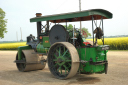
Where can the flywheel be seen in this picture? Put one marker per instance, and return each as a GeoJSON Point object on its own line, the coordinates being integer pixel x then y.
{"type": "Point", "coordinates": [63, 60]}
{"type": "Point", "coordinates": [58, 33]}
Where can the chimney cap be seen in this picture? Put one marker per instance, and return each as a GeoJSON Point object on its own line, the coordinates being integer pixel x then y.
{"type": "Point", "coordinates": [38, 14]}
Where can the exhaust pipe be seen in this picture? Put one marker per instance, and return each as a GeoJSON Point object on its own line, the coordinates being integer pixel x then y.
{"type": "Point", "coordinates": [38, 26]}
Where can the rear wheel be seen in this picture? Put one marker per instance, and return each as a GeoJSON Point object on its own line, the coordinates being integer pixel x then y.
{"type": "Point", "coordinates": [63, 60]}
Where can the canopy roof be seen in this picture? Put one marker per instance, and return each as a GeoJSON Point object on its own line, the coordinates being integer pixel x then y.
{"type": "Point", "coordinates": [75, 16]}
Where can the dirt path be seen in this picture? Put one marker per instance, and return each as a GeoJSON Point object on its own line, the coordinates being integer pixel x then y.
{"type": "Point", "coordinates": [117, 73]}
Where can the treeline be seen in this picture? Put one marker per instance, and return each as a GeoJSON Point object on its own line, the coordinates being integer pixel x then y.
{"type": "Point", "coordinates": [111, 36]}
{"type": "Point", "coordinates": [10, 41]}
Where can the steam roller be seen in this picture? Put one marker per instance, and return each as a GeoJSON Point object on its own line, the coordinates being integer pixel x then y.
{"type": "Point", "coordinates": [66, 51]}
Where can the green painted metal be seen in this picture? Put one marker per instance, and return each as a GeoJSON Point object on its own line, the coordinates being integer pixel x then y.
{"type": "Point", "coordinates": [20, 50]}
{"type": "Point", "coordinates": [106, 15]}
{"type": "Point", "coordinates": [46, 42]}
{"type": "Point", "coordinates": [86, 54]}
{"type": "Point", "coordinates": [103, 47]}
{"type": "Point", "coordinates": [44, 45]}
{"type": "Point", "coordinates": [41, 49]}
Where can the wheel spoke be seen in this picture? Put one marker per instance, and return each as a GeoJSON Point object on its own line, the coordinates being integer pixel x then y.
{"type": "Point", "coordinates": [59, 68]}
{"type": "Point", "coordinates": [69, 65]}
{"type": "Point", "coordinates": [55, 55]}
{"type": "Point", "coordinates": [57, 50]}
{"type": "Point", "coordinates": [54, 59]}
{"type": "Point", "coordinates": [65, 71]}
{"type": "Point", "coordinates": [66, 68]}
{"type": "Point", "coordinates": [64, 53]}
{"type": "Point", "coordinates": [68, 55]}
{"type": "Point", "coordinates": [64, 49]}
{"type": "Point", "coordinates": [55, 65]}
{"type": "Point", "coordinates": [67, 60]}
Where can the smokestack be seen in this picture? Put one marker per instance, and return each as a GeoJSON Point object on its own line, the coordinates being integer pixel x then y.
{"type": "Point", "coordinates": [38, 25]}
{"type": "Point", "coordinates": [38, 14]}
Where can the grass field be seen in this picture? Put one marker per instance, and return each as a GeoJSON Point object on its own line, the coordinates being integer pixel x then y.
{"type": "Point", "coordinates": [120, 43]}
{"type": "Point", "coordinates": [11, 46]}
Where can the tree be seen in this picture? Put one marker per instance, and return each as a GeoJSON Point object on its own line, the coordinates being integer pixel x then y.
{"type": "Point", "coordinates": [86, 30]}
{"type": "Point", "coordinates": [3, 22]}
{"type": "Point", "coordinates": [70, 27]}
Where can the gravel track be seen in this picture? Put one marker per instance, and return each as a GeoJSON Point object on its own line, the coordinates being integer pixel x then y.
{"type": "Point", "coordinates": [117, 73]}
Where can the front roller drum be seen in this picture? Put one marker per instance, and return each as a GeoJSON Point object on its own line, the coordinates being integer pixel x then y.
{"type": "Point", "coordinates": [29, 61]}
{"type": "Point", "coordinates": [63, 60]}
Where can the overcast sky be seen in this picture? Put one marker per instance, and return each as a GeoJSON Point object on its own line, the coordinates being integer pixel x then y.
{"type": "Point", "coordinates": [18, 13]}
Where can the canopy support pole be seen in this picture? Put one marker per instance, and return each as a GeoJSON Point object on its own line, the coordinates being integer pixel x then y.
{"type": "Point", "coordinates": [92, 30]}
{"type": "Point", "coordinates": [102, 29]}
{"type": "Point", "coordinates": [47, 25]}
{"type": "Point", "coordinates": [66, 24]}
